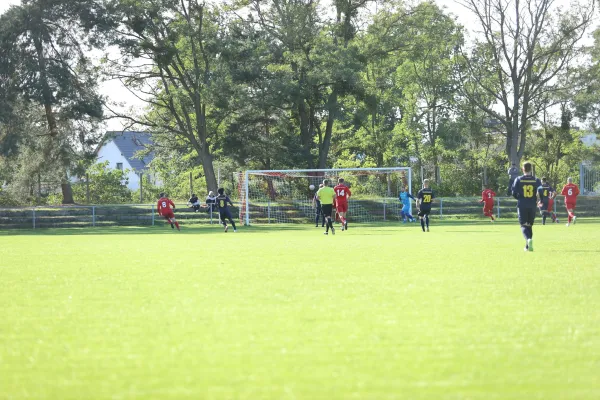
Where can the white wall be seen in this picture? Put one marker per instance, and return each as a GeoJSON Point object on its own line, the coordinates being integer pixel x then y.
{"type": "Point", "coordinates": [111, 153]}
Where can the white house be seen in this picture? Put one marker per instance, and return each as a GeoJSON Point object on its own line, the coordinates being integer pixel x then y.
{"type": "Point", "coordinates": [120, 148]}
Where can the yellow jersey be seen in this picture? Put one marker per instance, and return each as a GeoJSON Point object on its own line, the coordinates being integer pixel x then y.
{"type": "Point", "coordinates": [326, 195]}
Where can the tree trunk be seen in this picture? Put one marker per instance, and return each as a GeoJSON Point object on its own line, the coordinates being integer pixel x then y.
{"type": "Point", "coordinates": [324, 150]}
{"type": "Point", "coordinates": [207, 166]}
{"type": "Point", "coordinates": [46, 92]}
{"type": "Point", "coordinates": [305, 136]}
{"type": "Point", "coordinates": [67, 193]}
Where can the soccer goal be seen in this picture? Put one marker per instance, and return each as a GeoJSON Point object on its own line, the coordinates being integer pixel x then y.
{"type": "Point", "coordinates": [286, 196]}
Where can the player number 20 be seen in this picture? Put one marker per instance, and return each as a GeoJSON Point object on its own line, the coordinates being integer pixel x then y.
{"type": "Point", "coordinates": [427, 198]}
{"type": "Point", "coordinates": [528, 190]}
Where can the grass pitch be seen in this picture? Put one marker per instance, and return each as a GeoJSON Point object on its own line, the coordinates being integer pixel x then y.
{"type": "Point", "coordinates": [382, 312]}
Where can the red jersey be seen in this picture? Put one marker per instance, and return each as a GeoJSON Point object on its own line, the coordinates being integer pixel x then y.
{"type": "Point", "coordinates": [342, 193]}
{"type": "Point", "coordinates": [570, 191]}
{"type": "Point", "coordinates": [164, 205]}
{"type": "Point", "coordinates": [487, 196]}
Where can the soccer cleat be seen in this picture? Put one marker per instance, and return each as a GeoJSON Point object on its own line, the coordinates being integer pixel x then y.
{"type": "Point", "coordinates": [226, 228]}
{"type": "Point", "coordinates": [333, 231]}
{"type": "Point", "coordinates": [325, 233]}
{"type": "Point", "coordinates": [526, 248]}
{"type": "Point", "coordinates": [427, 229]}
{"type": "Point", "coordinates": [556, 220]}
{"type": "Point", "coordinates": [567, 224]}
{"type": "Point", "coordinates": [172, 226]}
{"type": "Point", "coordinates": [342, 227]}
{"type": "Point", "coordinates": [530, 244]}
{"type": "Point", "coordinates": [235, 230]}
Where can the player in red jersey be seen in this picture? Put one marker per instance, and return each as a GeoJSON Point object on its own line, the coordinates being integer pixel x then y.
{"type": "Point", "coordinates": [342, 194]}
{"type": "Point", "coordinates": [570, 191]}
{"type": "Point", "coordinates": [165, 207]}
{"type": "Point", "coordinates": [487, 198]}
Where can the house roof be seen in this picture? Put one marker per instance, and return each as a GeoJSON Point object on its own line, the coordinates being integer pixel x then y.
{"type": "Point", "coordinates": [129, 143]}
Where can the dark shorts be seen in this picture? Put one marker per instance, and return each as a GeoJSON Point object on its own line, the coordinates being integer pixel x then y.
{"type": "Point", "coordinates": [424, 212]}
{"type": "Point", "coordinates": [526, 215]}
{"type": "Point", "coordinates": [327, 209]}
{"type": "Point", "coordinates": [225, 214]}
{"type": "Point", "coordinates": [544, 206]}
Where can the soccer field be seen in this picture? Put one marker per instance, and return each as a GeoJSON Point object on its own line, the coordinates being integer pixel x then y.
{"type": "Point", "coordinates": [284, 312]}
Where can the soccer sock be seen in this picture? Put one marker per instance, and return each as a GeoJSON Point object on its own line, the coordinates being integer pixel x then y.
{"type": "Point", "coordinates": [232, 223]}
{"type": "Point", "coordinates": [331, 224]}
{"type": "Point", "coordinates": [524, 230]}
{"type": "Point", "coordinates": [177, 225]}
{"type": "Point", "coordinates": [422, 224]}
{"type": "Point", "coordinates": [427, 220]}
{"type": "Point", "coordinates": [410, 216]}
{"type": "Point", "coordinates": [530, 232]}
{"type": "Point", "coordinates": [544, 218]}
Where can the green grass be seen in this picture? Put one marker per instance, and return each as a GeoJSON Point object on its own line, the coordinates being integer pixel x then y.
{"type": "Point", "coordinates": [373, 313]}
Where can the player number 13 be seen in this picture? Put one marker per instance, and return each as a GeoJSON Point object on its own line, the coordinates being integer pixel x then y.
{"type": "Point", "coordinates": [528, 190]}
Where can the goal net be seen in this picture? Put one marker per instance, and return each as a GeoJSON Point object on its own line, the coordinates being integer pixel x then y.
{"type": "Point", "coordinates": [285, 196]}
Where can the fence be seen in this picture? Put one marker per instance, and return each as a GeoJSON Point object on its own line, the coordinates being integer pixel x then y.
{"type": "Point", "coordinates": [98, 216]}
{"type": "Point", "coordinates": [383, 210]}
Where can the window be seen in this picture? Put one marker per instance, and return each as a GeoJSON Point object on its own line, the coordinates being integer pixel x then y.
{"type": "Point", "coordinates": [120, 166]}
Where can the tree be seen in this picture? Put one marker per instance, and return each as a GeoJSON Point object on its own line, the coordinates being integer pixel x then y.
{"type": "Point", "coordinates": [170, 58]}
{"type": "Point", "coordinates": [44, 62]}
{"type": "Point", "coordinates": [527, 50]}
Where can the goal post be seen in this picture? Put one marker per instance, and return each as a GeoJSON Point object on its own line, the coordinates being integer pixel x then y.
{"type": "Point", "coordinates": [284, 196]}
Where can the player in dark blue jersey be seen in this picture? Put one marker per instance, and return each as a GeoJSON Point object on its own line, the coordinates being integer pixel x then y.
{"type": "Point", "coordinates": [223, 202]}
{"type": "Point", "coordinates": [424, 199]}
{"type": "Point", "coordinates": [525, 190]}
{"type": "Point", "coordinates": [544, 194]}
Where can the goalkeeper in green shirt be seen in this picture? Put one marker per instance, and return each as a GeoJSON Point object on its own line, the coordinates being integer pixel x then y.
{"type": "Point", "coordinates": [326, 195]}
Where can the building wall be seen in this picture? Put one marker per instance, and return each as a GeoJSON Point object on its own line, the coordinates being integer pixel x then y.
{"type": "Point", "coordinates": [111, 153]}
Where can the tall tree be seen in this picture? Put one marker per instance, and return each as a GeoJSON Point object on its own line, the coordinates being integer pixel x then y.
{"type": "Point", "coordinates": [44, 61]}
{"type": "Point", "coordinates": [170, 58]}
{"type": "Point", "coordinates": [525, 52]}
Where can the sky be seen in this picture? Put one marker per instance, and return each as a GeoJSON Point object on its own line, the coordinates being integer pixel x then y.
{"type": "Point", "coordinates": [116, 90]}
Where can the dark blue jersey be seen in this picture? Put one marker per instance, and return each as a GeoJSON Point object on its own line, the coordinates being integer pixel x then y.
{"type": "Point", "coordinates": [544, 192]}
{"type": "Point", "coordinates": [223, 202]}
{"type": "Point", "coordinates": [426, 195]}
{"type": "Point", "coordinates": [525, 189]}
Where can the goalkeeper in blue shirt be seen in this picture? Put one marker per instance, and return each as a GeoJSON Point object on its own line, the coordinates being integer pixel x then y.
{"type": "Point", "coordinates": [405, 200]}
